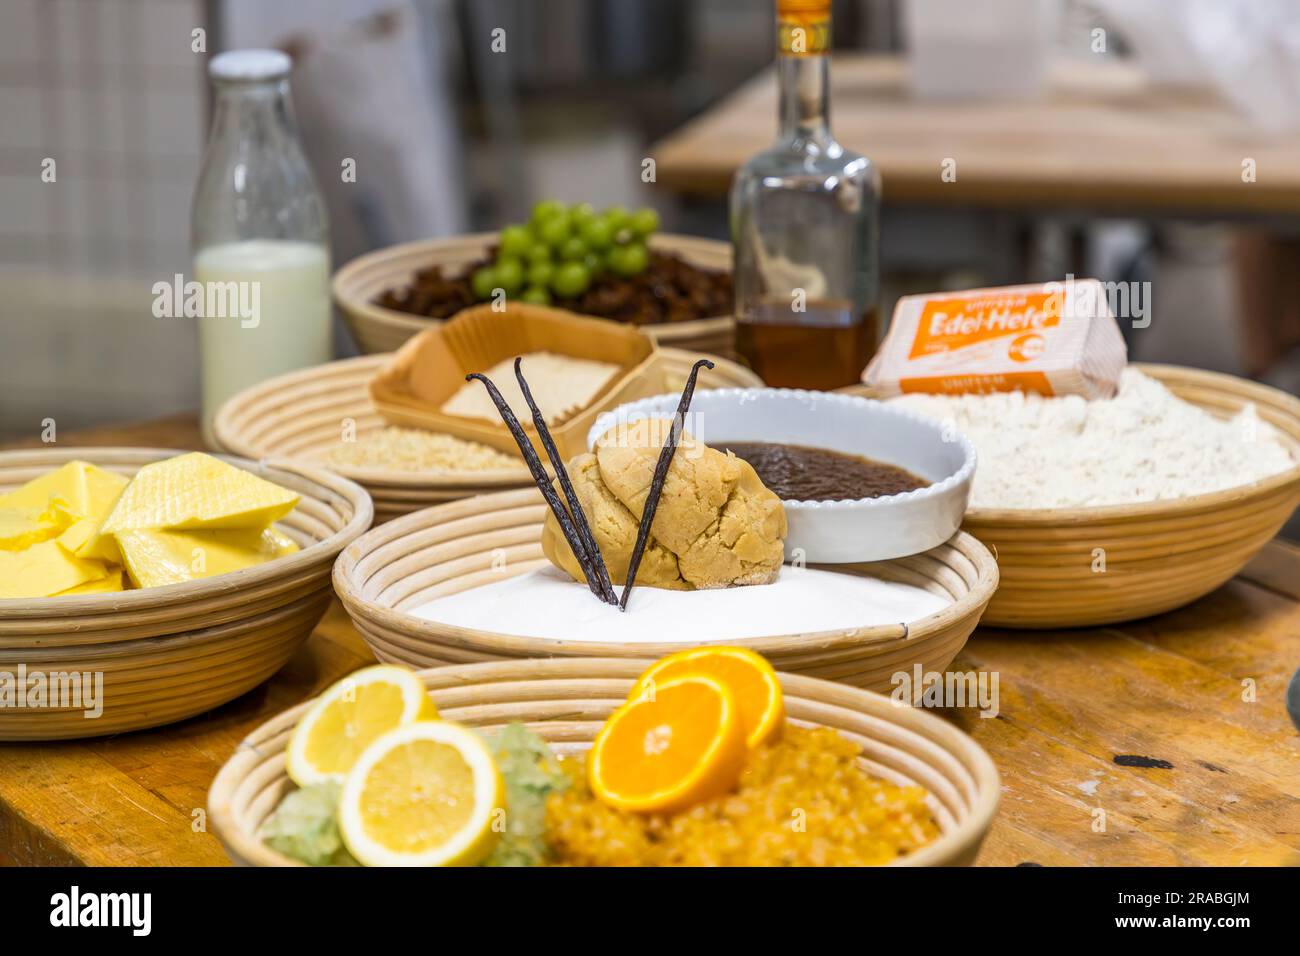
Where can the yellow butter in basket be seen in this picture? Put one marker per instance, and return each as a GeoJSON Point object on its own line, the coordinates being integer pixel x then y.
{"type": "Point", "coordinates": [35, 520]}
{"type": "Point", "coordinates": [71, 531]}
{"type": "Point", "coordinates": [77, 495]}
{"type": "Point", "coordinates": [21, 529]}
{"type": "Point", "coordinates": [197, 491]}
{"type": "Point", "coordinates": [155, 557]}
{"type": "Point", "coordinates": [45, 569]}
{"type": "Point", "coordinates": [1058, 338]}
{"type": "Point", "coordinates": [78, 487]}
{"type": "Point", "coordinates": [84, 540]}
{"type": "Point", "coordinates": [116, 581]}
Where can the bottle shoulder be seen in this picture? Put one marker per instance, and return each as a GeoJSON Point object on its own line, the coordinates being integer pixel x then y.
{"type": "Point", "coordinates": [799, 160]}
{"type": "Point", "coordinates": [250, 191]}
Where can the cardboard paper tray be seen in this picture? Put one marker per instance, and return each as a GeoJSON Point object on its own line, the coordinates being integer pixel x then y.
{"type": "Point", "coordinates": [431, 367]}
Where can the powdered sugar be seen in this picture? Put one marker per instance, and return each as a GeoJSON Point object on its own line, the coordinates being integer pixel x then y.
{"type": "Point", "coordinates": [1145, 444]}
{"type": "Point", "coordinates": [800, 601]}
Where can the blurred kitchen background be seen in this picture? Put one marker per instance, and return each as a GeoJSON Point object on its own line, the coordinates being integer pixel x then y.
{"type": "Point", "coordinates": [449, 136]}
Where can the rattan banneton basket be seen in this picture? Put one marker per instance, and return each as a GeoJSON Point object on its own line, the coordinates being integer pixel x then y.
{"type": "Point", "coordinates": [442, 550]}
{"type": "Point", "coordinates": [1076, 567]}
{"type": "Point", "coordinates": [172, 652]}
{"type": "Point", "coordinates": [301, 416]}
{"type": "Point", "coordinates": [377, 329]}
{"type": "Point", "coordinates": [565, 701]}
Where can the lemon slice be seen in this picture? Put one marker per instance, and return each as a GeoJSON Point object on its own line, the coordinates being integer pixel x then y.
{"type": "Point", "coordinates": [348, 716]}
{"type": "Point", "coordinates": [427, 794]}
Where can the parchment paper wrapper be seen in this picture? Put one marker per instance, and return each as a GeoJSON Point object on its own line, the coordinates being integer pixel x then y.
{"type": "Point", "coordinates": [431, 367]}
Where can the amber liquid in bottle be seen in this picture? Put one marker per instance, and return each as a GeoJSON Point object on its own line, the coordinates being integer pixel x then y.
{"type": "Point", "coordinates": [824, 347]}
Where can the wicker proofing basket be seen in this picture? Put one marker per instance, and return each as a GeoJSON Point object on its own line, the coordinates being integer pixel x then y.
{"type": "Point", "coordinates": [378, 329]}
{"type": "Point", "coordinates": [451, 547]}
{"type": "Point", "coordinates": [1157, 556]}
{"type": "Point", "coordinates": [301, 416]}
{"type": "Point", "coordinates": [171, 652]}
{"type": "Point", "coordinates": [565, 701]}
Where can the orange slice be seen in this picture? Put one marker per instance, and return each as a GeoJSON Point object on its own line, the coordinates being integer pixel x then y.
{"type": "Point", "coordinates": [748, 676]}
{"type": "Point", "coordinates": [665, 753]}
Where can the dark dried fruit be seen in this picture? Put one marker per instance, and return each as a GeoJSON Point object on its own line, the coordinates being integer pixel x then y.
{"type": "Point", "coordinates": [669, 290]}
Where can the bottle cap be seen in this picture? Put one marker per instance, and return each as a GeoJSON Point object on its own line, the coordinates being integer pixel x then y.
{"type": "Point", "coordinates": [788, 7]}
{"type": "Point", "coordinates": [249, 65]}
{"type": "Point", "coordinates": [803, 27]}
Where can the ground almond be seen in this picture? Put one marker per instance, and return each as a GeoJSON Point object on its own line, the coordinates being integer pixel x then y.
{"type": "Point", "coordinates": [414, 449]}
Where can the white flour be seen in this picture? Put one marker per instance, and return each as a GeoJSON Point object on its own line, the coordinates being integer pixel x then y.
{"type": "Point", "coordinates": [1145, 444]}
{"type": "Point", "coordinates": [548, 603]}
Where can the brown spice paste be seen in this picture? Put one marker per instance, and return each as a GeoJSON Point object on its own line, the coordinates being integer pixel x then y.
{"type": "Point", "coordinates": [801, 473]}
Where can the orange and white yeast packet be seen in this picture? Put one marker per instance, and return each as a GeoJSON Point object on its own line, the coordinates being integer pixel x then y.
{"type": "Point", "coordinates": [1058, 338]}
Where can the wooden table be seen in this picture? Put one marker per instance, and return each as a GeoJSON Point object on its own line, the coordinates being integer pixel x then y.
{"type": "Point", "coordinates": [1167, 690]}
{"type": "Point", "coordinates": [1101, 139]}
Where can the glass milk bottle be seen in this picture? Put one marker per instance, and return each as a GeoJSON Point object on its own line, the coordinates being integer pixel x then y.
{"type": "Point", "coordinates": [804, 226]}
{"type": "Point", "coordinates": [259, 234]}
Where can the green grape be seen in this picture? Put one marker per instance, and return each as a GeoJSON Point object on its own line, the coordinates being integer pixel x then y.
{"type": "Point", "coordinates": [540, 274]}
{"type": "Point", "coordinates": [617, 217]}
{"type": "Point", "coordinates": [555, 231]}
{"type": "Point", "coordinates": [597, 234]}
{"type": "Point", "coordinates": [573, 249]}
{"type": "Point", "coordinates": [629, 260]}
{"type": "Point", "coordinates": [571, 280]}
{"type": "Point", "coordinates": [595, 264]}
{"type": "Point", "coordinates": [538, 252]}
{"type": "Point", "coordinates": [545, 209]}
{"type": "Point", "coordinates": [509, 275]}
{"type": "Point", "coordinates": [515, 241]}
{"type": "Point", "coordinates": [644, 222]}
{"type": "Point", "coordinates": [536, 295]}
{"type": "Point", "coordinates": [581, 213]}
{"type": "Point", "coordinates": [614, 259]}
{"type": "Point", "coordinates": [636, 258]}
{"type": "Point", "coordinates": [483, 281]}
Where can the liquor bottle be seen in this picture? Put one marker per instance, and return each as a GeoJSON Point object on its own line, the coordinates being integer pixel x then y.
{"type": "Point", "coordinates": [804, 226]}
{"type": "Point", "coordinates": [260, 234]}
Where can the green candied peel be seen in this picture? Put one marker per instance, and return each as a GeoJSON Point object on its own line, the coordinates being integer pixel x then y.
{"type": "Point", "coordinates": [531, 774]}
{"type": "Point", "coordinates": [304, 826]}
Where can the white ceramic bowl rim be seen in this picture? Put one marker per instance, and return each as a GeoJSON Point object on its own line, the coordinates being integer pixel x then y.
{"type": "Point", "coordinates": [642, 408]}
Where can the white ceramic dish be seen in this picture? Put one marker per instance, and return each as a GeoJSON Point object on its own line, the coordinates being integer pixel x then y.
{"type": "Point", "coordinates": [835, 532]}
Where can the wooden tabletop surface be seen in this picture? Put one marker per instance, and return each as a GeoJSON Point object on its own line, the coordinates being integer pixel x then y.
{"type": "Point", "coordinates": [1101, 138]}
{"type": "Point", "coordinates": [1164, 741]}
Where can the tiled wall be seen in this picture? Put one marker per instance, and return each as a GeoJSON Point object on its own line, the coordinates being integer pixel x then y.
{"type": "Point", "coordinates": [111, 91]}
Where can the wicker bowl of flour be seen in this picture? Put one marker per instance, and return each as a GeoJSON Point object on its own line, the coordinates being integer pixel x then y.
{"type": "Point", "coordinates": [1067, 566]}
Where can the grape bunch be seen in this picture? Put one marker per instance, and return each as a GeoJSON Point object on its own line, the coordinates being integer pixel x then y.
{"type": "Point", "coordinates": [562, 249]}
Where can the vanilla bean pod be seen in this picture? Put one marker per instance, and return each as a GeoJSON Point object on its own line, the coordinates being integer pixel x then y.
{"type": "Point", "coordinates": [534, 462]}
{"type": "Point", "coordinates": [660, 474]}
{"type": "Point", "coordinates": [575, 507]}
